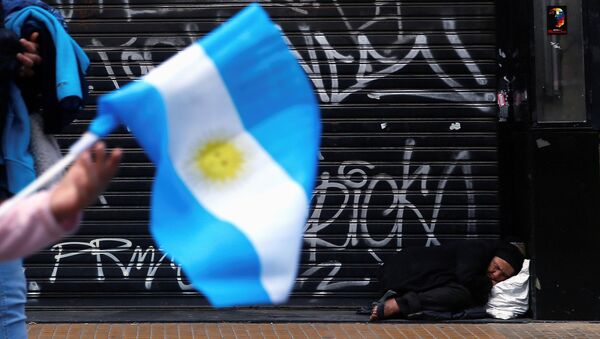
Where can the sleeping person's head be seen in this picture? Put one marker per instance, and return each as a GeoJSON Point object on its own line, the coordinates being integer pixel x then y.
{"type": "Point", "coordinates": [507, 262]}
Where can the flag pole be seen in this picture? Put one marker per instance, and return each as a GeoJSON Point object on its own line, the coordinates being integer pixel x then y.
{"type": "Point", "coordinates": [86, 141]}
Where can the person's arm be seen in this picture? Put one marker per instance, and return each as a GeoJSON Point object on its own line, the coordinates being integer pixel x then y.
{"type": "Point", "coordinates": [30, 226]}
{"type": "Point", "coordinates": [45, 217]}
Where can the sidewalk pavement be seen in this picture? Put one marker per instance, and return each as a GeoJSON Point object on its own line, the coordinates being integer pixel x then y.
{"type": "Point", "coordinates": [315, 330]}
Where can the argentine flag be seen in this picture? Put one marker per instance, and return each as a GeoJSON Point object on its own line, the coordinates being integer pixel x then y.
{"type": "Point", "coordinates": [233, 127]}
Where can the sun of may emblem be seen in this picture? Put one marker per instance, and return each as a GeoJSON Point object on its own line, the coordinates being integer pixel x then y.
{"type": "Point", "coordinates": [219, 160]}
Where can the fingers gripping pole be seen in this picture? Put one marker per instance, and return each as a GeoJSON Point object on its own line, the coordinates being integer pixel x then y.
{"type": "Point", "coordinates": [86, 141]}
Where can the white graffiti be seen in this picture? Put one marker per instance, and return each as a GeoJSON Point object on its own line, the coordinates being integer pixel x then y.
{"type": "Point", "coordinates": [132, 58]}
{"type": "Point", "coordinates": [371, 64]}
{"type": "Point", "coordinates": [327, 283]}
{"type": "Point", "coordinates": [355, 182]}
{"type": "Point", "coordinates": [105, 251]}
{"type": "Point", "coordinates": [67, 9]}
{"type": "Point", "coordinates": [369, 59]}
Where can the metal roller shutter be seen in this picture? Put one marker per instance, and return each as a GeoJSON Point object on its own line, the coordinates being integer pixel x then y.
{"type": "Point", "coordinates": [408, 158]}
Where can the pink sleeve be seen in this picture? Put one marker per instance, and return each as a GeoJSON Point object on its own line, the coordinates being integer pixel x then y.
{"type": "Point", "coordinates": [30, 226]}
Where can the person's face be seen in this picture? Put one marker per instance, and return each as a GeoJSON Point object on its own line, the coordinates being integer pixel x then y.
{"type": "Point", "coordinates": [499, 270]}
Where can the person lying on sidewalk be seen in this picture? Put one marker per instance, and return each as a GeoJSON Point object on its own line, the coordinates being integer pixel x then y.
{"type": "Point", "coordinates": [447, 278]}
{"type": "Point", "coordinates": [42, 218]}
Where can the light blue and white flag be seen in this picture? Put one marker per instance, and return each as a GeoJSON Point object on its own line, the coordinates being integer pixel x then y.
{"type": "Point", "coordinates": [233, 127]}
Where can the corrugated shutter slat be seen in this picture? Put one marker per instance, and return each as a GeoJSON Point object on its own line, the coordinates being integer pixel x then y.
{"type": "Point", "coordinates": [408, 156]}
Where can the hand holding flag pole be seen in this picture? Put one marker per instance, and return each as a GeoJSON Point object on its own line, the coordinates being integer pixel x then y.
{"type": "Point", "coordinates": [100, 127]}
{"type": "Point", "coordinates": [86, 141]}
{"type": "Point", "coordinates": [233, 127]}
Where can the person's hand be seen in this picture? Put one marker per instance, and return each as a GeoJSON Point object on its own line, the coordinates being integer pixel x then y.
{"type": "Point", "coordinates": [30, 57]}
{"type": "Point", "coordinates": [84, 181]}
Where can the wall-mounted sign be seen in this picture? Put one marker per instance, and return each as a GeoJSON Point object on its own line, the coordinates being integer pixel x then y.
{"type": "Point", "coordinates": [557, 19]}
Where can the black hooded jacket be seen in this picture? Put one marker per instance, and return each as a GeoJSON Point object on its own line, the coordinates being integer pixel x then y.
{"type": "Point", "coordinates": [422, 269]}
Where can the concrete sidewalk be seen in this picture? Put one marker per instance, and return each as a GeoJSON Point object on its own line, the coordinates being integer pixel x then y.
{"type": "Point", "coordinates": [315, 330]}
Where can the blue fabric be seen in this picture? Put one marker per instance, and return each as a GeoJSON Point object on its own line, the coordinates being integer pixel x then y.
{"type": "Point", "coordinates": [13, 295]}
{"type": "Point", "coordinates": [174, 205]}
{"type": "Point", "coordinates": [70, 61]}
{"type": "Point", "coordinates": [140, 98]}
{"type": "Point", "coordinates": [70, 58]}
{"type": "Point", "coordinates": [217, 258]}
{"type": "Point", "coordinates": [277, 106]}
{"type": "Point", "coordinates": [16, 156]}
{"type": "Point", "coordinates": [234, 49]}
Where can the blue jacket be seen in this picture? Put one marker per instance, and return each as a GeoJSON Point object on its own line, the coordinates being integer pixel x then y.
{"type": "Point", "coordinates": [15, 154]}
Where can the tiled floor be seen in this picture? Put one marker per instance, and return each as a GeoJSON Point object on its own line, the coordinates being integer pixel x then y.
{"type": "Point", "coordinates": [316, 330]}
